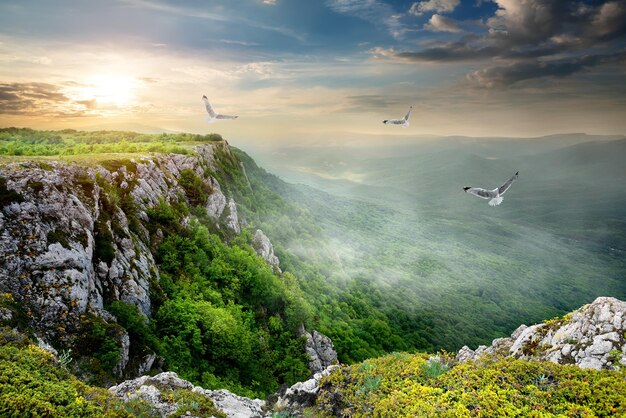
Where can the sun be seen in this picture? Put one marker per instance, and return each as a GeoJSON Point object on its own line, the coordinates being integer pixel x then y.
{"type": "Point", "coordinates": [116, 90]}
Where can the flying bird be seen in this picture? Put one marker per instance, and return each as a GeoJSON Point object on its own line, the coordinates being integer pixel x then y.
{"type": "Point", "coordinates": [494, 195]}
{"type": "Point", "coordinates": [212, 114]}
{"type": "Point", "coordinates": [404, 122]}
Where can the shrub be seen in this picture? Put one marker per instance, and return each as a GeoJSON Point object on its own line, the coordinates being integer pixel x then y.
{"type": "Point", "coordinates": [34, 385]}
{"type": "Point", "coordinates": [409, 386]}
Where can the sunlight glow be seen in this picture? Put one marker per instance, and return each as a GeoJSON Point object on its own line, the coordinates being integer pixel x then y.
{"type": "Point", "coordinates": [112, 89]}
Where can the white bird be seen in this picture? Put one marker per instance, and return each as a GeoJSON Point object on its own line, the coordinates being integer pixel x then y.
{"type": "Point", "coordinates": [404, 122]}
{"type": "Point", "coordinates": [212, 114]}
{"type": "Point", "coordinates": [494, 195]}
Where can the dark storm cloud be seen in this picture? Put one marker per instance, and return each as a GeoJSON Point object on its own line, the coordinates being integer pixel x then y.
{"type": "Point", "coordinates": [532, 36]}
{"type": "Point", "coordinates": [524, 70]}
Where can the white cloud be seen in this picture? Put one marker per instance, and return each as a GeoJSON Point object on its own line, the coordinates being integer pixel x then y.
{"type": "Point", "coordinates": [270, 2]}
{"type": "Point", "coordinates": [438, 6]}
{"type": "Point", "coordinates": [438, 23]}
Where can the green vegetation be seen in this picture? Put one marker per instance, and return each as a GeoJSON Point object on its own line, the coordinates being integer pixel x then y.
{"type": "Point", "coordinates": [33, 384]}
{"type": "Point", "coordinates": [403, 260]}
{"type": "Point", "coordinates": [96, 344]}
{"type": "Point", "coordinates": [228, 321]}
{"type": "Point", "coordinates": [376, 276]}
{"type": "Point", "coordinates": [29, 142]}
{"type": "Point", "coordinates": [196, 189]}
{"type": "Point", "coordinates": [55, 236]}
{"type": "Point", "coordinates": [403, 385]}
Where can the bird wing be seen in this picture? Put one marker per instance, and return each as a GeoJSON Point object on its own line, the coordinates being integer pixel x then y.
{"type": "Point", "coordinates": [220, 116]}
{"type": "Point", "coordinates": [482, 193]}
{"type": "Point", "coordinates": [209, 109]}
{"type": "Point", "coordinates": [508, 183]}
{"type": "Point", "coordinates": [406, 117]}
{"type": "Point", "coordinates": [395, 121]}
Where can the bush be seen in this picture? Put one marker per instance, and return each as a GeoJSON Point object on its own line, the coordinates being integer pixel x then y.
{"type": "Point", "coordinates": [411, 385]}
{"type": "Point", "coordinates": [33, 384]}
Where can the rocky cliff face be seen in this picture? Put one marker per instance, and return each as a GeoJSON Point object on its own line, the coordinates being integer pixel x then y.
{"type": "Point", "coordinates": [320, 350]}
{"type": "Point", "coordinates": [74, 238]}
{"type": "Point", "coordinates": [592, 337]}
{"type": "Point", "coordinates": [263, 247]}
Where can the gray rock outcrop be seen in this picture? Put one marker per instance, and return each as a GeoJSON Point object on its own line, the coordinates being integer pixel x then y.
{"type": "Point", "coordinates": [263, 247]}
{"type": "Point", "coordinates": [301, 394]}
{"type": "Point", "coordinates": [320, 350]}
{"type": "Point", "coordinates": [152, 389]}
{"type": "Point", "coordinates": [591, 337]}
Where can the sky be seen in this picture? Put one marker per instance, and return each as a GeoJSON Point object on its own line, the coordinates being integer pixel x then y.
{"type": "Point", "coordinates": [315, 70]}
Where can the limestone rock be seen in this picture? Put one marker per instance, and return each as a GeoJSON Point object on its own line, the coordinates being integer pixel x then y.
{"type": "Point", "coordinates": [302, 394]}
{"type": "Point", "coordinates": [320, 350]}
{"type": "Point", "coordinates": [150, 388]}
{"type": "Point", "coordinates": [232, 220]}
{"type": "Point", "coordinates": [234, 406]}
{"type": "Point", "coordinates": [591, 337]}
{"type": "Point", "coordinates": [124, 351]}
{"type": "Point", "coordinates": [45, 346]}
{"type": "Point", "coordinates": [465, 354]}
{"type": "Point", "coordinates": [263, 247]}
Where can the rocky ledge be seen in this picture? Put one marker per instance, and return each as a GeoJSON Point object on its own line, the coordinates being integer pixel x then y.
{"type": "Point", "coordinates": [156, 390]}
{"type": "Point", "coordinates": [593, 337]}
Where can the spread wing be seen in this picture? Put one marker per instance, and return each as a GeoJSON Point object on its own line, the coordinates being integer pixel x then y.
{"type": "Point", "coordinates": [209, 109]}
{"type": "Point", "coordinates": [220, 116]}
{"type": "Point", "coordinates": [482, 193]}
{"type": "Point", "coordinates": [408, 113]}
{"type": "Point", "coordinates": [508, 183]}
{"type": "Point", "coordinates": [394, 121]}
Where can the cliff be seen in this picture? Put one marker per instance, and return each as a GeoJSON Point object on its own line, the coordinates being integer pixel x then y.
{"type": "Point", "coordinates": [79, 265]}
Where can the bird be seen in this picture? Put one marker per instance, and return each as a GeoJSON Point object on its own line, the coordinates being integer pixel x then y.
{"type": "Point", "coordinates": [404, 122]}
{"type": "Point", "coordinates": [212, 115]}
{"type": "Point", "coordinates": [494, 195]}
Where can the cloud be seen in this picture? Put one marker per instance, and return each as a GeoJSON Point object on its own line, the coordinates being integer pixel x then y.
{"type": "Point", "coordinates": [524, 70]}
{"type": "Point", "coordinates": [444, 52]}
{"type": "Point", "coordinates": [531, 36]}
{"type": "Point", "coordinates": [259, 70]}
{"type": "Point", "coordinates": [270, 2]}
{"type": "Point", "coordinates": [39, 99]}
{"type": "Point", "coordinates": [373, 11]}
{"type": "Point", "coordinates": [609, 21]}
{"type": "Point", "coordinates": [438, 23]}
{"type": "Point", "coordinates": [437, 6]}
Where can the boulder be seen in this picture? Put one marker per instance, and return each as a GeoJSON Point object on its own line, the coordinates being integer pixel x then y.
{"type": "Point", "coordinates": [320, 350]}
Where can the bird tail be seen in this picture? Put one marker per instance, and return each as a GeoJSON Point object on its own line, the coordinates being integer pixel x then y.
{"type": "Point", "coordinates": [496, 201]}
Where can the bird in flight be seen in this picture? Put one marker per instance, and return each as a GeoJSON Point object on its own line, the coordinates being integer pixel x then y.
{"type": "Point", "coordinates": [494, 195]}
{"type": "Point", "coordinates": [404, 122]}
{"type": "Point", "coordinates": [212, 115]}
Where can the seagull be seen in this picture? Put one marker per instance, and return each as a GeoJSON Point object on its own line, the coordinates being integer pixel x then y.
{"type": "Point", "coordinates": [212, 114]}
{"type": "Point", "coordinates": [404, 122]}
{"type": "Point", "coordinates": [495, 195]}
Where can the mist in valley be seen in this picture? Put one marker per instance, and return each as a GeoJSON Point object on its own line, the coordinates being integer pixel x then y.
{"type": "Point", "coordinates": [398, 228]}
